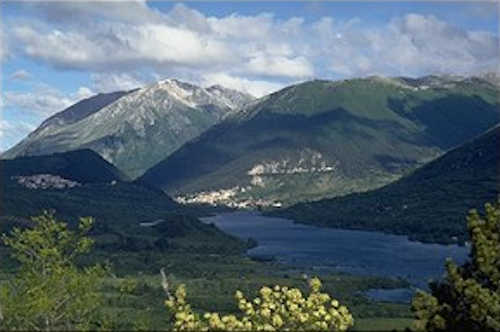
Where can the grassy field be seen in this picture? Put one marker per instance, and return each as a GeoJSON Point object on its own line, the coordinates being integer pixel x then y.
{"type": "Point", "coordinates": [382, 324]}
{"type": "Point", "coordinates": [213, 279]}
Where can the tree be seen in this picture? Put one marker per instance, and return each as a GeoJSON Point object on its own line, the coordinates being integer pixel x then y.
{"type": "Point", "coordinates": [469, 297]}
{"type": "Point", "coordinates": [50, 292]}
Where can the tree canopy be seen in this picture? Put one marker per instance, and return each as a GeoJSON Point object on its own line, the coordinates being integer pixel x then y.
{"type": "Point", "coordinates": [469, 297]}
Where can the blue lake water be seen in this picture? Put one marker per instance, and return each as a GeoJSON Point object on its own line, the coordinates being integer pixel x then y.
{"type": "Point", "coordinates": [355, 252]}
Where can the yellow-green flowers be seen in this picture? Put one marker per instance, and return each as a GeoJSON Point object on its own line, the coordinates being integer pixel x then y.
{"type": "Point", "coordinates": [277, 309]}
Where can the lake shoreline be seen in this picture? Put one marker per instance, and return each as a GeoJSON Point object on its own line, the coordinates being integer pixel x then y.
{"type": "Point", "coordinates": [354, 252]}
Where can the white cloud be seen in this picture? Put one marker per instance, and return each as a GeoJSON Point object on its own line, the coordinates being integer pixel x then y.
{"type": "Point", "coordinates": [30, 108]}
{"type": "Point", "coordinates": [183, 38]}
{"type": "Point", "coordinates": [21, 75]}
{"type": "Point", "coordinates": [280, 66]}
{"type": "Point", "coordinates": [243, 27]}
{"type": "Point", "coordinates": [256, 88]}
{"type": "Point", "coordinates": [82, 93]}
{"type": "Point", "coordinates": [108, 38]}
{"type": "Point", "coordinates": [425, 44]}
{"type": "Point", "coordinates": [115, 82]}
{"type": "Point", "coordinates": [123, 47]}
{"type": "Point", "coordinates": [12, 131]}
{"type": "Point", "coordinates": [42, 101]}
{"type": "Point", "coordinates": [411, 45]}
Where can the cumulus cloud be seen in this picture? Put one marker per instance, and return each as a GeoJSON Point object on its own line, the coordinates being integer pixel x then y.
{"type": "Point", "coordinates": [114, 37]}
{"type": "Point", "coordinates": [411, 45]}
{"type": "Point", "coordinates": [122, 48]}
{"type": "Point", "coordinates": [183, 38]}
{"type": "Point", "coordinates": [20, 75]}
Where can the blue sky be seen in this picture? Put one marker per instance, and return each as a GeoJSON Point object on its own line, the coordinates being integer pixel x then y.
{"type": "Point", "coordinates": [56, 53]}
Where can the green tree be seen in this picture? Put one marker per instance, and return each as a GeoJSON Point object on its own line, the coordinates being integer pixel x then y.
{"type": "Point", "coordinates": [469, 297]}
{"type": "Point", "coordinates": [50, 292]}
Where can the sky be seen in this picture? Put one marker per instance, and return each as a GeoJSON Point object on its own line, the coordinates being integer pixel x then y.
{"type": "Point", "coordinates": [53, 54]}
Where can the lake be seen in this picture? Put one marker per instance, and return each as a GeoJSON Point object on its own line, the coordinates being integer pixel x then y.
{"type": "Point", "coordinates": [355, 252]}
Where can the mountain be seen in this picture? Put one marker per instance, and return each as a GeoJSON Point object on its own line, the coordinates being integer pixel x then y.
{"type": "Point", "coordinates": [429, 204]}
{"type": "Point", "coordinates": [138, 129]}
{"type": "Point", "coordinates": [324, 139]}
{"type": "Point", "coordinates": [74, 183]}
{"type": "Point", "coordinates": [72, 114]}
{"type": "Point", "coordinates": [80, 183]}
{"type": "Point", "coordinates": [83, 166]}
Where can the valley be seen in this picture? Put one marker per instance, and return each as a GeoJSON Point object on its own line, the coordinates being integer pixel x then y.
{"type": "Point", "coordinates": [249, 166]}
{"type": "Point", "coordinates": [174, 176]}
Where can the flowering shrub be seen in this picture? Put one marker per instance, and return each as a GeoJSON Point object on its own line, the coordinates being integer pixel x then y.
{"type": "Point", "coordinates": [277, 309]}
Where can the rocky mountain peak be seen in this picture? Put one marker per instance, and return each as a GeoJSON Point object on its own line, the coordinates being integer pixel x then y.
{"type": "Point", "coordinates": [122, 126]}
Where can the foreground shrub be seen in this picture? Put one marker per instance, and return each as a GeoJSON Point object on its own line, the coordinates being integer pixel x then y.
{"type": "Point", "coordinates": [50, 292]}
{"type": "Point", "coordinates": [277, 309]}
{"type": "Point", "coordinates": [469, 297]}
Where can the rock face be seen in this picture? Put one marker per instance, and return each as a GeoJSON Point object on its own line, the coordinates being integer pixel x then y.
{"type": "Point", "coordinates": [327, 138]}
{"type": "Point", "coordinates": [45, 181]}
{"type": "Point", "coordinates": [139, 128]}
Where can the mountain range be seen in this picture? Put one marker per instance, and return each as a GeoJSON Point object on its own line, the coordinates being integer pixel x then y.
{"type": "Point", "coordinates": [134, 130]}
{"type": "Point", "coordinates": [376, 153]}
{"type": "Point", "coordinates": [308, 141]}
{"type": "Point", "coordinates": [327, 138]}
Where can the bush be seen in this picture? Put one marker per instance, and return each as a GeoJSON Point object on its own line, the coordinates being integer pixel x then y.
{"type": "Point", "coordinates": [469, 297]}
{"type": "Point", "coordinates": [277, 309]}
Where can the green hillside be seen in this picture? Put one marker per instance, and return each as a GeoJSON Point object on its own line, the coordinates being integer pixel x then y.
{"type": "Point", "coordinates": [83, 166]}
{"type": "Point", "coordinates": [325, 139]}
{"type": "Point", "coordinates": [428, 205]}
{"type": "Point", "coordinates": [117, 206]}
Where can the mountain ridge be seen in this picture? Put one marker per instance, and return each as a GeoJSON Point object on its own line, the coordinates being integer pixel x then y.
{"type": "Point", "coordinates": [83, 166]}
{"type": "Point", "coordinates": [163, 115]}
{"type": "Point", "coordinates": [336, 137]}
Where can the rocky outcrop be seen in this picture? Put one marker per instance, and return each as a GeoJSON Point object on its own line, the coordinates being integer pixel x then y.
{"type": "Point", "coordinates": [45, 181]}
